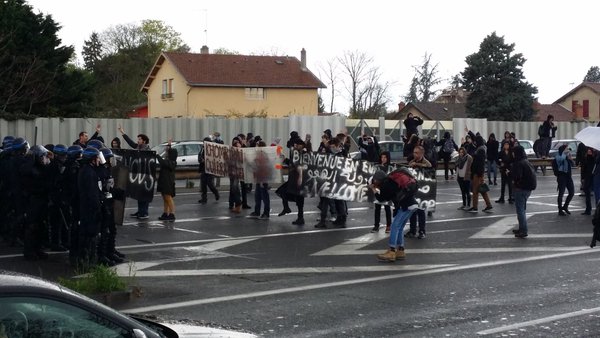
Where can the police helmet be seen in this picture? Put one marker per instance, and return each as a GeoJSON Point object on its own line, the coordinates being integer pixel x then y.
{"type": "Point", "coordinates": [74, 151]}
{"type": "Point", "coordinates": [95, 144]}
{"type": "Point", "coordinates": [38, 151]}
{"type": "Point", "coordinates": [107, 153]}
{"type": "Point", "coordinates": [19, 144]}
{"type": "Point", "coordinates": [90, 153]}
{"type": "Point", "coordinates": [60, 149]}
{"type": "Point", "coordinates": [7, 142]}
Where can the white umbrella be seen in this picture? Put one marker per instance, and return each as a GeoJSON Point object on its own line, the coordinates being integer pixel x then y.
{"type": "Point", "coordinates": [590, 136]}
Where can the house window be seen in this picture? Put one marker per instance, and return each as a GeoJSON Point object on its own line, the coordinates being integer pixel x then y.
{"type": "Point", "coordinates": [586, 109]}
{"type": "Point", "coordinates": [167, 89]}
{"type": "Point", "coordinates": [255, 94]}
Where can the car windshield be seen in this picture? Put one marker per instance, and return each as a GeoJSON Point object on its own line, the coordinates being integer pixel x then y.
{"type": "Point", "coordinates": [525, 144]}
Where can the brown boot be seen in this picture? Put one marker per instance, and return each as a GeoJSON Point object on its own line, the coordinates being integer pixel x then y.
{"type": "Point", "coordinates": [400, 254]}
{"type": "Point", "coordinates": [237, 209]}
{"type": "Point", "coordinates": [388, 256]}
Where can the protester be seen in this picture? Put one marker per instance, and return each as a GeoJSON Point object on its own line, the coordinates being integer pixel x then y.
{"type": "Point", "coordinates": [524, 181]}
{"type": "Point", "coordinates": [477, 177]}
{"type": "Point", "coordinates": [562, 164]}
{"type": "Point", "coordinates": [400, 188]}
{"type": "Point", "coordinates": [368, 148]}
{"type": "Point", "coordinates": [383, 165]}
{"type": "Point", "coordinates": [292, 189]}
{"type": "Point", "coordinates": [505, 158]}
{"type": "Point", "coordinates": [166, 182]}
{"type": "Point", "coordinates": [463, 177]}
{"type": "Point", "coordinates": [492, 147]}
{"type": "Point", "coordinates": [84, 137]}
{"type": "Point", "coordinates": [409, 146]}
{"type": "Point", "coordinates": [261, 193]}
{"type": "Point", "coordinates": [418, 161]}
{"type": "Point", "coordinates": [308, 143]}
{"type": "Point", "coordinates": [235, 201]}
{"type": "Point", "coordinates": [587, 163]}
{"type": "Point", "coordinates": [141, 144]}
{"type": "Point", "coordinates": [448, 146]}
{"type": "Point", "coordinates": [412, 123]}
{"type": "Point", "coordinates": [207, 181]}
{"type": "Point", "coordinates": [115, 143]}
{"type": "Point", "coordinates": [547, 131]}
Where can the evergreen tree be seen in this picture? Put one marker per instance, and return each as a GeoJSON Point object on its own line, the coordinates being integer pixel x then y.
{"type": "Point", "coordinates": [92, 51]}
{"type": "Point", "coordinates": [593, 75]}
{"type": "Point", "coordinates": [494, 76]}
{"type": "Point", "coordinates": [412, 96]}
{"type": "Point", "coordinates": [32, 62]}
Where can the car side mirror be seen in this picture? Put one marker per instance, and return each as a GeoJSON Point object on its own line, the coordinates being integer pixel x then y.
{"type": "Point", "coordinates": [137, 333]}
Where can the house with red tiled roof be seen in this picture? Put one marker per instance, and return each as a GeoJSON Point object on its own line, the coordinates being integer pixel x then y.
{"type": "Point", "coordinates": [431, 111]}
{"type": "Point", "coordinates": [202, 85]}
{"type": "Point", "coordinates": [560, 113]}
{"type": "Point", "coordinates": [583, 101]}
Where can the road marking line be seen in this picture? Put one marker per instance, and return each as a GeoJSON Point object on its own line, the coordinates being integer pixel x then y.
{"type": "Point", "coordinates": [355, 250]}
{"type": "Point", "coordinates": [539, 321]}
{"type": "Point", "coordinates": [321, 269]}
{"type": "Point", "coordinates": [497, 229]}
{"type": "Point", "coordinates": [257, 294]}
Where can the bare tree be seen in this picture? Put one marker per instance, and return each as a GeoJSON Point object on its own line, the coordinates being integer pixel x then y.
{"type": "Point", "coordinates": [357, 66]}
{"type": "Point", "coordinates": [331, 75]}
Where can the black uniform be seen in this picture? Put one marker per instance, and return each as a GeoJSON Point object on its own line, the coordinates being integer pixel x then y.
{"type": "Point", "coordinates": [88, 184]}
{"type": "Point", "coordinates": [36, 186]}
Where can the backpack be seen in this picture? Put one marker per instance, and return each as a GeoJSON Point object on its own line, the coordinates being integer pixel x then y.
{"type": "Point", "coordinates": [555, 167]}
{"type": "Point", "coordinates": [404, 179]}
{"type": "Point", "coordinates": [448, 147]}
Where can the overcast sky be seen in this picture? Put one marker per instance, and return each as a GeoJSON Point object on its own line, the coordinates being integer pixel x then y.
{"type": "Point", "coordinates": [558, 38]}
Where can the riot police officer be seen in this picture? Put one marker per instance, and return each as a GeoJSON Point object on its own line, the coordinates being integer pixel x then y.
{"type": "Point", "coordinates": [71, 193]}
{"type": "Point", "coordinates": [59, 213]}
{"type": "Point", "coordinates": [34, 179]}
{"type": "Point", "coordinates": [90, 214]}
{"type": "Point", "coordinates": [16, 198]}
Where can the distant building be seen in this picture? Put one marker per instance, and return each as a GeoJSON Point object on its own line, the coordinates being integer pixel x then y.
{"type": "Point", "coordinates": [201, 85]}
{"type": "Point", "coordinates": [560, 113]}
{"type": "Point", "coordinates": [583, 101]}
{"type": "Point", "coordinates": [431, 111]}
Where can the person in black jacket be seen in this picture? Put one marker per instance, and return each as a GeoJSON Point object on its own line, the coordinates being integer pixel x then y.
{"type": "Point", "coordinates": [369, 148]}
{"type": "Point", "coordinates": [587, 176]}
{"type": "Point", "coordinates": [447, 147]}
{"type": "Point", "coordinates": [412, 123]}
{"type": "Point", "coordinates": [143, 143]}
{"type": "Point", "coordinates": [524, 181]}
{"type": "Point", "coordinates": [505, 158]}
{"type": "Point", "coordinates": [492, 147]}
{"type": "Point", "coordinates": [564, 179]}
{"type": "Point", "coordinates": [207, 181]}
{"type": "Point", "coordinates": [548, 131]}
{"type": "Point", "coordinates": [166, 182]}
{"type": "Point", "coordinates": [383, 165]}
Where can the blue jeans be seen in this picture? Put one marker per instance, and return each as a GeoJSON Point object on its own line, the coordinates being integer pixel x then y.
{"type": "Point", "coordinates": [521, 197]}
{"type": "Point", "coordinates": [261, 194]}
{"type": "Point", "coordinates": [397, 229]}
{"type": "Point", "coordinates": [143, 208]}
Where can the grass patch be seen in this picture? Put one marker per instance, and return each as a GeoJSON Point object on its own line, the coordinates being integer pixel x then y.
{"type": "Point", "coordinates": [100, 279]}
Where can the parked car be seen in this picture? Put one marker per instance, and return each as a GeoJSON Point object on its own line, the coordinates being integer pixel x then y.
{"type": "Point", "coordinates": [571, 143]}
{"type": "Point", "coordinates": [34, 307]}
{"type": "Point", "coordinates": [187, 152]}
{"type": "Point", "coordinates": [396, 149]}
{"type": "Point", "coordinates": [528, 146]}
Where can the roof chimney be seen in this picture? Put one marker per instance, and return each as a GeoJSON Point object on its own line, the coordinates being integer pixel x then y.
{"type": "Point", "coordinates": [204, 49]}
{"type": "Point", "coordinates": [303, 60]}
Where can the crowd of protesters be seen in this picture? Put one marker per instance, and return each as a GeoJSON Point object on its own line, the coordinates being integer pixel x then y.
{"type": "Point", "coordinates": [62, 198]}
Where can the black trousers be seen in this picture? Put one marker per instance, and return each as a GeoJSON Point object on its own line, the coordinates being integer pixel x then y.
{"type": "Point", "coordinates": [565, 181]}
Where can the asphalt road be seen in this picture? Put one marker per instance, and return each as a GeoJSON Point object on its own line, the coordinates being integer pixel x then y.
{"type": "Point", "coordinates": [469, 277]}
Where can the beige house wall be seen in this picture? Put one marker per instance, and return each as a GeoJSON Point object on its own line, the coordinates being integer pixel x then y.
{"type": "Point", "coordinates": [199, 102]}
{"type": "Point", "coordinates": [277, 102]}
{"type": "Point", "coordinates": [584, 94]}
{"type": "Point", "coordinates": [170, 107]}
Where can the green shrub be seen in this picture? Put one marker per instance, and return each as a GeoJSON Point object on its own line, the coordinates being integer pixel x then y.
{"type": "Point", "coordinates": [100, 279]}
